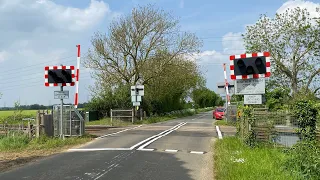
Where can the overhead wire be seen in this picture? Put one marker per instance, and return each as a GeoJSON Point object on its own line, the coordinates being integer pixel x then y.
{"type": "Point", "coordinates": [31, 67]}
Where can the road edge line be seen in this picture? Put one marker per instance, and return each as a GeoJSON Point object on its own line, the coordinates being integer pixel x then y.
{"type": "Point", "coordinates": [219, 132]}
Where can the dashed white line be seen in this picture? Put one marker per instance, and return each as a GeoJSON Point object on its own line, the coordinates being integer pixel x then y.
{"type": "Point", "coordinates": [197, 152]}
{"type": "Point", "coordinates": [219, 132]}
{"type": "Point", "coordinates": [146, 149]}
{"type": "Point", "coordinates": [171, 150]}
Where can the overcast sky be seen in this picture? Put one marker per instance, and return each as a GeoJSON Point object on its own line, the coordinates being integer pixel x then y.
{"type": "Point", "coordinates": [37, 33]}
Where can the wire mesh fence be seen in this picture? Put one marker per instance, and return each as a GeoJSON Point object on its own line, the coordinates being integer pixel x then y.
{"type": "Point", "coordinates": [279, 127]}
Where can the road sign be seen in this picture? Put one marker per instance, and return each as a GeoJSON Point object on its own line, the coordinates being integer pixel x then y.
{"type": "Point", "coordinates": [136, 99]}
{"type": "Point", "coordinates": [252, 99]}
{"type": "Point", "coordinates": [222, 89]}
{"type": "Point", "coordinates": [61, 94]}
{"type": "Point", "coordinates": [250, 66]}
{"type": "Point", "coordinates": [136, 103]}
{"type": "Point", "coordinates": [250, 86]}
{"type": "Point", "coordinates": [137, 90]}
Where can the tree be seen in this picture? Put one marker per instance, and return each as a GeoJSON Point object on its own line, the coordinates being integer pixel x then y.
{"type": "Point", "coordinates": [144, 47]}
{"type": "Point", "coordinates": [204, 97]}
{"type": "Point", "coordinates": [17, 109]}
{"type": "Point", "coordinates": [292, 38]}
{"type": "Point", "coordinates": [277, 97]}
{"type": "Point", "coordinates": [148, 33]}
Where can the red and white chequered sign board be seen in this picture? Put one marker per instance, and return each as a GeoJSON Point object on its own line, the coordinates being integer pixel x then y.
{"type": "Point", "coordinates": [251, 76]}
{"type": "Point", "coordinates": [46, 70]}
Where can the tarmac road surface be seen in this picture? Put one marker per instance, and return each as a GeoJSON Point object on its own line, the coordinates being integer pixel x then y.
{"type": "Point", "coordinates": [171, 150]}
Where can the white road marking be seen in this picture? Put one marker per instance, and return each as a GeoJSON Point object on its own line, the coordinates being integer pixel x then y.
{"type": "Point", "coordinates": [197, 152]}
{"type": "Point", "coordinates": [146, 149]}
{"type": "Point", "coordinates": [117, 132]}
{"type": "Point", "coordinates": [110, 168]}
{"type": "Point", "coordinates": [219, 132]}
{"type": "Point", "coordinates": [139, 143]}
{"type": "Point", "coordinates": [171, 150]}
{"type": "Point", "coordinates": [99, 149]}
{"type": "Point", "coordinates": [149, 142]}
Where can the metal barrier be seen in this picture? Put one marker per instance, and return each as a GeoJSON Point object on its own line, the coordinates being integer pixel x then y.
{"type": "Point", "coordinates": [72, 121]}
{"type": "Point", "coordinates": [121, 114]}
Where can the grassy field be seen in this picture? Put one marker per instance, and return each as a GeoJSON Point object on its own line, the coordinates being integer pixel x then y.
{"type": "Point", "coordinates": [24, 112]}
{"type": "Point", "coordinates": [234, 160]}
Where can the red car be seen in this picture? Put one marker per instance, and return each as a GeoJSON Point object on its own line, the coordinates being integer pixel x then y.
{"type": "Point", "coordinates": [218, 113]}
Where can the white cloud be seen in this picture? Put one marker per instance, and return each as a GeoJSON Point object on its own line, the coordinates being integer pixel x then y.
{"type": "Point", "coordinates": [310, 6]}
{"type": "Point", "coordinates": [233, 43]}
{"type": "Point", "coordinates": [34, 34]}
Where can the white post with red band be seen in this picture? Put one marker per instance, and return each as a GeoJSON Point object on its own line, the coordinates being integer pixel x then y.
{"type": "Point", "coordinates": [77, 78]}
{"type": "Point", "coordinates": [226, 83]}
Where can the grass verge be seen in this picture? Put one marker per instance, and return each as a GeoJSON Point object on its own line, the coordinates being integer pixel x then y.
{"type": "Point", "coordinates": [224, 123]}
{"type": "Point", "coordinates": [107, 122]}
{"type": "Point", "coordinates": [17, 149]}
{"type": "Point", "coordinates": [234, 160]}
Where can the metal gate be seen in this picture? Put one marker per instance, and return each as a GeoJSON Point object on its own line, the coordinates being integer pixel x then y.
{"type": "Point", "coordinates": [72, 121]}
{"type": "Point", "coordinates": [231, 115]}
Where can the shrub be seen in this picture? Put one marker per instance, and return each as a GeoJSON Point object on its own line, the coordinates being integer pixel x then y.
{"type": "Point", "coordinates": [306, 114]}
{"type": "Point", "coordinates": [304, 160]}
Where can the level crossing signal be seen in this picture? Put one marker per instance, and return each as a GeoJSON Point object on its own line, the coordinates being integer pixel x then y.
{"type": "Point", "coordinates": [248, 66]}
{"type": "Point", "coordinates": [59, 76]}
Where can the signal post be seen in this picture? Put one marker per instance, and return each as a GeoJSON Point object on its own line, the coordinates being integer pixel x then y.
{"type": "Point", "coordinates": [60, 76]}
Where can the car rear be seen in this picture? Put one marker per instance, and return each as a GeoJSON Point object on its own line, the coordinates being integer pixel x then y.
{"type": "Point", "coordinates": [219, 113]}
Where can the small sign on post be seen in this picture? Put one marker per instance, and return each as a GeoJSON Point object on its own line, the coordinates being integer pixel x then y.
{"type": "Point", "coordinates": [252, 99]}
{"type": "Point", "coordinates": [61, 94]}
{"type": "Point", "coordinates": [250, 86]}
{"type": "Point", "coordinates": [136, 94]}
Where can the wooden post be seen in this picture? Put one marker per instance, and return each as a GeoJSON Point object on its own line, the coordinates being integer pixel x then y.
{"type": "Point", "coordinates": [111, 117]}
{"type": "Point", "coordinates": [132, 113]}
{"type": "Point", "coordinates": [29, 130]}
{"type": "Point", "coordinates": [38, 124]}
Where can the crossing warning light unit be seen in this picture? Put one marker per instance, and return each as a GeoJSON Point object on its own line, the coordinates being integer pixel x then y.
{"type": "Point", "coordinates": [59, 76]}
{"type": "Point", "coordinates": [250, 66]}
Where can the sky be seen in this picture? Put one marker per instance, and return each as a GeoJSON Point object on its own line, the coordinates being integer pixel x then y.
{"type": "Point", "coordinates": [39, 33]}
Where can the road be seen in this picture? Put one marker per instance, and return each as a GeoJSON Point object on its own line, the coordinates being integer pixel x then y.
{"type": "Point", "coordinates": [172, 150]}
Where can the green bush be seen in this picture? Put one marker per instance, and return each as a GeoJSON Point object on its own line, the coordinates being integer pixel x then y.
{"type": "Point", "coordinates": [304, 159]}
{"type": "Point", "coordinates": [306, 114]}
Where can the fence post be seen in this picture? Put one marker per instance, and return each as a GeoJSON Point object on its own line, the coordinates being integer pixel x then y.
{"type": "Point", "coordinates": [132, 113]}
{"type": "Point", "coordinates": [29, 130]}
{"type": "Point", "coordinates": [38, 124]}
{"type": "Point", "coordinates": [111, 117]}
